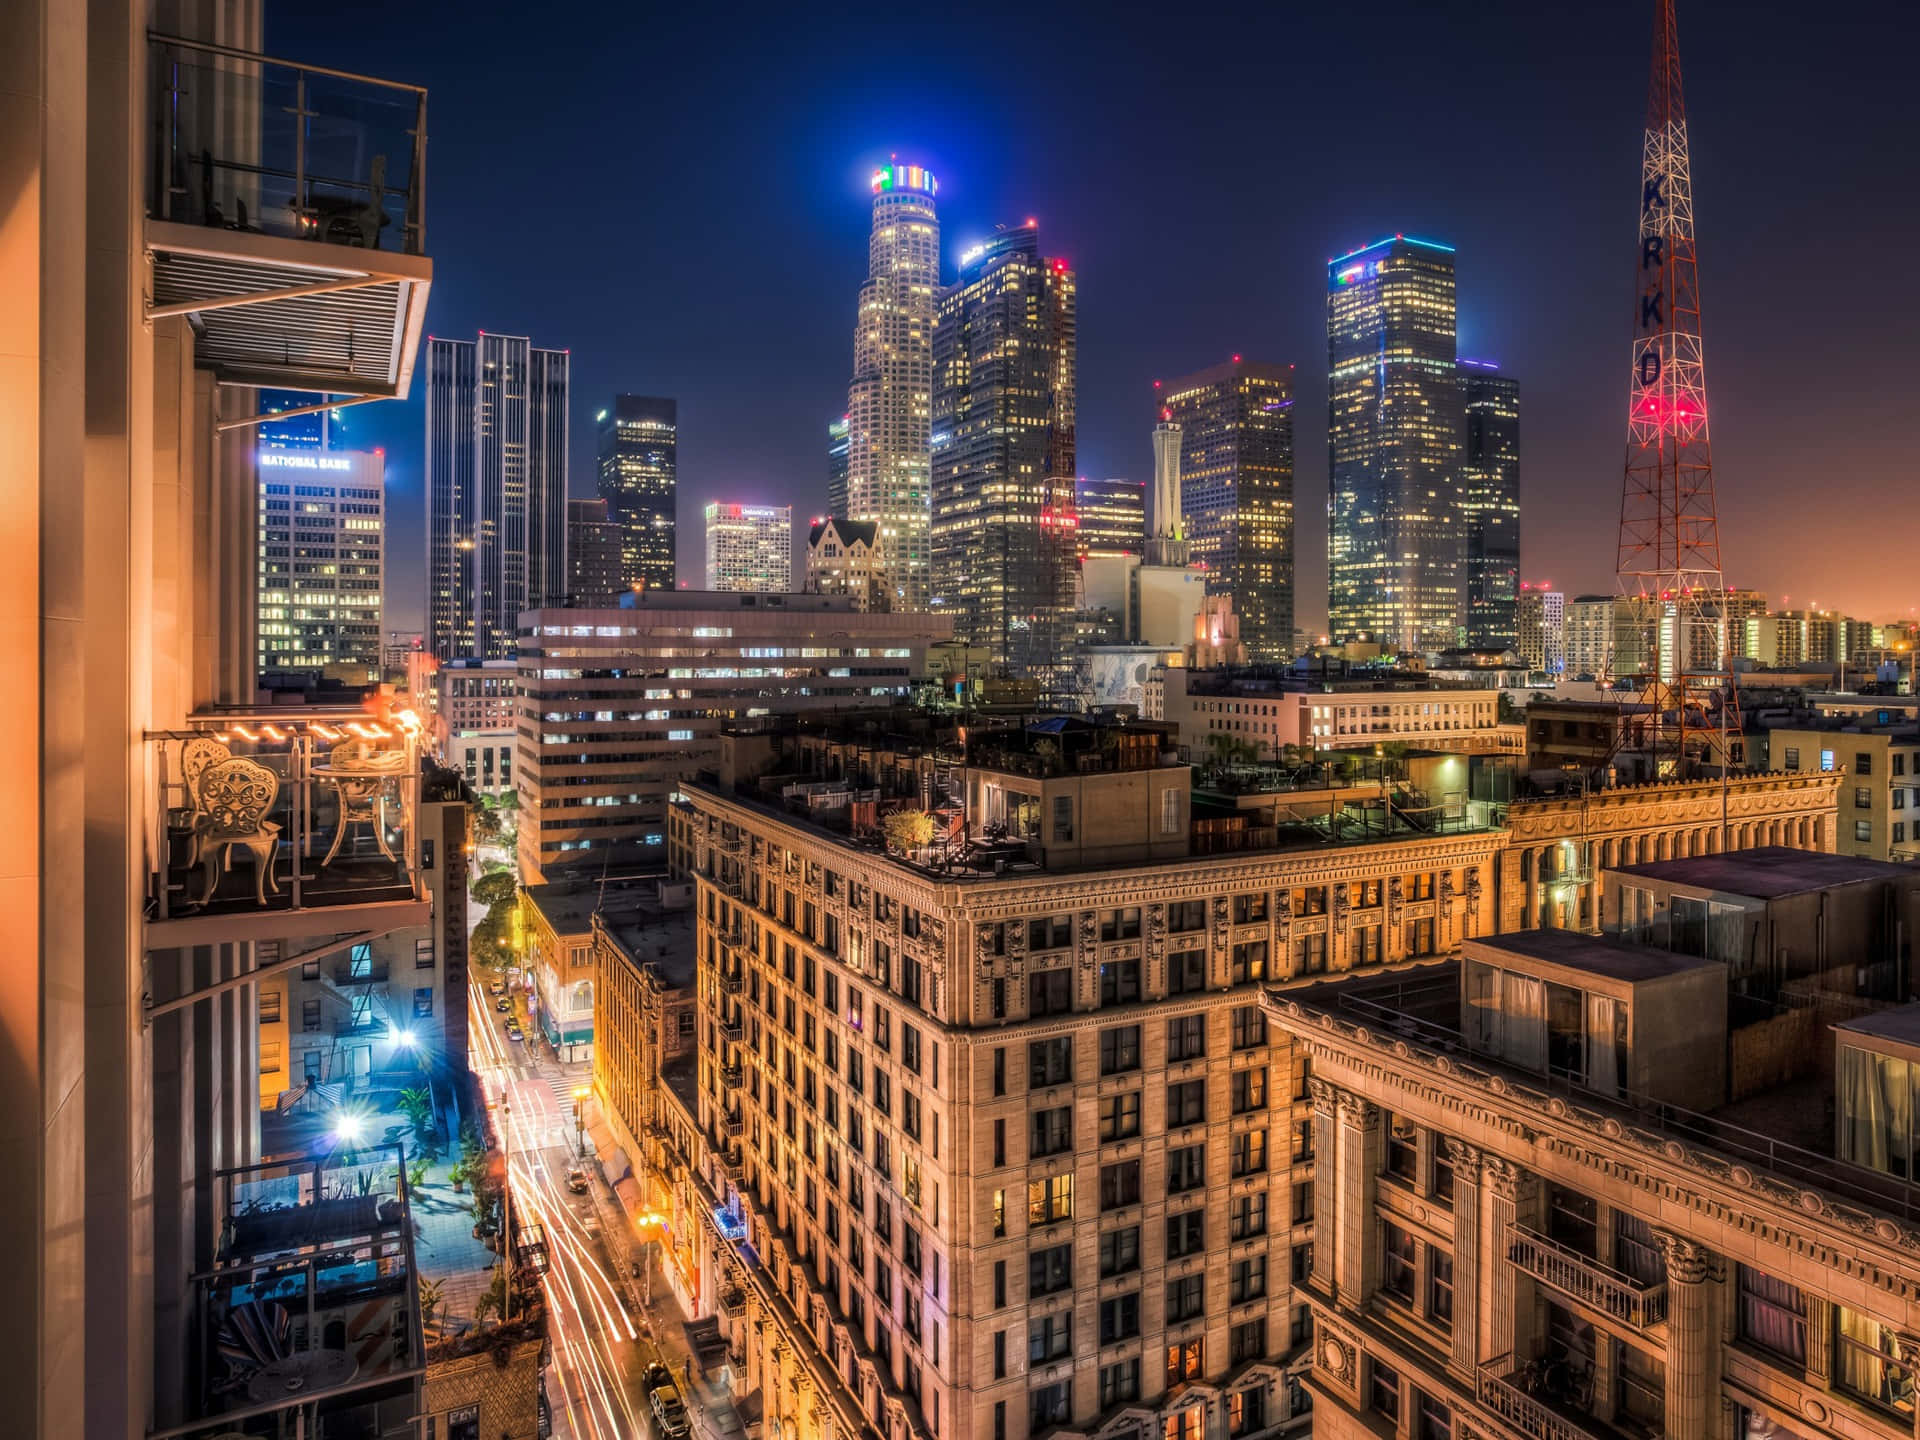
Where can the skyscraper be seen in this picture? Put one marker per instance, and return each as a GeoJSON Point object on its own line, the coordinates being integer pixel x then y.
{"type": "Point", "coordinates": [1110, 516]}
{"type": "Point", "coordinates": [496, 490]}
{"type": "Point", "coordinates": [593, 555]}
{"type": "Point", "coordinates": [889, 399]}
{"type": "Point", "coordinates": [1490, 501]}
{"type": "Point", "coordinates": [1236, 491]}
{"type": "Point", "coordinates": [322, 523]}
{"type": "Point", "coordinates": [639, 473]}
{"type": "Point", "coordinates": [1540, 628]}
{"type": "Point", "coordinates": [750, 547]}
{"type": "Point", "coordinates": [1004, 360]}
{"type": "Point", "coordinates": [837, 449]}
{"type": "Point", "coordinates": [1394, 435]}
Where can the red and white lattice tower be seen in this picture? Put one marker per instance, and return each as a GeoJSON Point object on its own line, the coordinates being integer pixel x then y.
{"type": "Point", "coordinates": [1669, 559]}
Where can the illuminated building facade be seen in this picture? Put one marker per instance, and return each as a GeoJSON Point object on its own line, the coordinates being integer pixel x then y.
{"type": "Point", "coordinates": [839, 449]}
{"type": "Point", "coordinates": [1540, 625]}
{"type": "Point", "coordinates": [593, 555]}
{"type": "Point", "coordinates": [1490, 503]}
{"type": "Point", "coordinates": [496, 489]}
{"type": "Point", "coordinates": [889, 402]}
{"type": "Point", "coordinates": [639, 473]}
{"type": "Point", "coordinates": [1004, 358]}
{"type": "Point", "coordinates": [1111, 515]}
{"type": "Point", "coordinates": [1236, 491]}
{"type": "Point", "coordinates": [321, 521]}
{"type": "Point", "coordinates": [843, 558]}
{"type": "Point", "coordinates": [750, 547]}
{"type": "Point", "coordinates": [1395, 552]}
{"type": "Point", "coordinates": [615, 716]}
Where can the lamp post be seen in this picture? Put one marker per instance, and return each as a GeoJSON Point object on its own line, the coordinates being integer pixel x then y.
{"type": "Point", "coordinates": [580, 1098]}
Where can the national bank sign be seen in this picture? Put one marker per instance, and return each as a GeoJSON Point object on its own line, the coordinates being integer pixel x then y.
{"type": "Point", "coordinates": [296, 460]}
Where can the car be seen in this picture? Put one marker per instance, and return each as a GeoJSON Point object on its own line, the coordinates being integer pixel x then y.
{"type": "Point", "coordinates": [670, 1413]}
{"type": "Point", "coordinates": [499, 987]}
{"type": "Point", "coordinates": [656, 1376]}
{"type": "Point", "coordinates": [514, 1032]}
{"type": "Point", "coordinates": [503, 1005]}
{"type": "Point", "coordinates": [577, 1180]}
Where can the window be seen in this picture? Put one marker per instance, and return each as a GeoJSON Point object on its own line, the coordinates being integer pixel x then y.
{"type": "Point", "coordinates": [1402, 1160]}
{"type": "Point", "coordinates": [1119, 982]}
{"type": "Point", "coordinates": [1791, 759]}
{"type": "Point", "coordinates": [1300, 1263]}
{"type": "Point", "coordinates": [1247, 1216]}
{"type": "Point", "coordinates": [1303, 1203]}
{"type": "Point", "coordinates": [1051, 1132]}
{"type": "Point", "coordinates": [1636, 1253]}
{"type": "Point", "coordinates": [1050, 932]}
{"type": "Point", "coordinates": [423, 1002]}
{"type": "Point", "coordinates": [999, 1139]}
{"type": "Point", "coordinates": [1119, 1184]}
{"type": "Point", "coordinates": [1119, 1383]}
{"type": "Point", "coordinates": [1396, 1262]}
{"type": "Point", "coordinates": [1048, 1406]}
{"type": "Point", "coordinates": [1170, 811]}
{"type": "Point", "coordinates": [1120, 1116]}
{"type": "Point", "coordinates": [1123, 924]}
{"type": "Point", "coordinates": [1187, 972]}
{"type": "Point", "coordinates": [1000, 1071]}
{"type": "Point", "coordinates": [1186, 1104]}
{"type": "Point", "coordinates": [1186, 1298]}
{"type": "Point", "coordinates": [1186, 915]}
{"type": "Point", "coordinates": [1248, 1153]}
{"type": "Point", "coordinates": [1863, 831]}
{"type": "Point", "coordinates": [1050, 1338]}
{"type": "Point", "coordinates": [1186, 1038]}
{"type": "Point", "coordinates": [1440, 1287]}
{"type": "Point", "coordinates": [1826, 759]}
{"type": "Point", "coordinates": [999, 1281]}
{"type": "Point", "coordinates": [309, 1015]}
{"type": "Point", "coordinates": [1050, 1062]}
{"type": "Point", "coordinates": [269, 1007]}
{"type": "Point", "coordinates": [1050, 992]}
{"type": "Point", "coordinates": [1247, 1411]}
{"type": "Point", "coordinates": [1185, 1362]}
{"type": "Point", "coordinates": [1062, 818]}
{"type": "Point", "coordinates": [1249, 1027]}
{"type": "Point", "coordinates": [1899, 830]}
{"type": "Point", "coordinates": [1247, 1341]}
{"type": "Point", "coordinates": [1310, 954]}
{"type": "Point", "coordinates": [1120, 1251]}
{"type": "Point", "coordinates": [1050, 1200]}
{"type": "Point", "coordinates": [1862, 797]}
{"type": "Point", "coordinates": [269, 1057]}
{"type": "Point", "coordinates": [1250, 909]}
{"type": "Point", "coordinates": [1571, 1219]}
{"type": "Point", "coordinates": [1772, 1315]}
{"type": "Point", "coordinates": [1247, 1280]}
{"type": "Point", "coordinates": [1431, 1419]}
{"type": "Point", "coordinates": [1000, 1419]}
{"type": "Point", "coordinates": [1119, 1049]}
{"type": "Point", "coordinates": [1249, 961]}
{"type": "Point", "coordinates": [1249, 1090]}
{"type": "Point", "coordinates": [1049, 1270]}
{"type": "Point", "coordinates": [1863, 762]}
{"type": "Point", "coordinates": [1186, 1168]}
{"type": "Point", "coordinates": [1186, 1233]}
{"type": "Point", "coordinates": [1383, 1391]}
{"type": "Point", "coordinates": [999, 1354]}
{"type": "Point", "coordinates": [1120, 1317]}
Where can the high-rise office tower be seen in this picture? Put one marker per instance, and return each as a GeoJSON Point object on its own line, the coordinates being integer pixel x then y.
{"type": "Point", "coordinates": [750, 547]}
{"type": "Point", "coordinates": [1236, 491]}
{"type": "Point", "coordinates": [496, 490]}
{"type": "Point", "coordinates": [838, 447]}
{"type": "Point", "coordinates": [1166, 526]}
{"type": "Point", "coordinates": [1540, 628]}
{"type": "Point", "coordinates": [638, 475]}
{"type": "Point", "coordinates": [1490, 501]}
{"type": "Point", "coordinates": [594, 577]}
{"type": "Point", "coordinates": [1110, 516]}
{"type": "Point", "coordinates": [322, 523]}
{"type": "Point", "coordinates": [1394, 435]}
{"type": "Point", "coordinates": [889, 400]}
{"type": "Point", "coordinates": [1003, 455]}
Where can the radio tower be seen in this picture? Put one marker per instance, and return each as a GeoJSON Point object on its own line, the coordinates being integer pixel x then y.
{"type": "Point", "coordinates": [1669, 560]}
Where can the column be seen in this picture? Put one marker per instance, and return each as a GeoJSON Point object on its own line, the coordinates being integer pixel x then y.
{"type": "Point", "coordinates": [1509, 1195]}
{"type": "Point", "coordinates": [1325, 1206]}
{"type": "Point", "coordinates": [1466, 1161]}
{"type": "Point", "coordinates": [1356, 1259]}
{"type": "Point", "coordinates": [1691, 1383]}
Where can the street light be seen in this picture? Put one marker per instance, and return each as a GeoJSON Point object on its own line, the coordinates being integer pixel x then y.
{"type": "Point", "coordinates": [580, 1097]}
{"type": "Point", "coordinates": [348, 1127]}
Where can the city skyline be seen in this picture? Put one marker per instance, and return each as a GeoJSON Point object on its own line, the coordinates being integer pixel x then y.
{"type": "Point", "coordinates": [1540, 267]}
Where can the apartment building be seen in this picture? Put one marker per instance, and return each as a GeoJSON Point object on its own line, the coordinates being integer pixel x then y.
{"type": "Point", "coordinates": [618, 707]}
{"type": "Point", "coordinates": [1877, 766]}
{"type": "Point", "coordinates": [1578, 1187]}
{"type": "Point", "coordinates": [562, 919]}
{"type": "Point", "coordinates": [1272, 711]}
{"type": "Point", "coordinates": [999, 1142]}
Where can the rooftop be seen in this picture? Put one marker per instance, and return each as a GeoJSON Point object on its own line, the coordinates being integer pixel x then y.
{"type": "Point", "coordinates": [1900, 1025]}
{"type": "Point", "coordinates": [1769, 872]}
{"type": "Point", "coordinates": [569, 905]}
{"type": "Point", "coordinates": [1591, 954]}
{"type": "Point", "coordinates": [661, 938]}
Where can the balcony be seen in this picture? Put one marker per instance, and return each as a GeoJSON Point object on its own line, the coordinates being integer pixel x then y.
{"type": "Point", "coordinates": [733, 984]}
{"type": "Point", "coordinates": [732, 1031]}
{"type": "Point", "coordinates": [733, 1303]}
{"type": "Point", "coordinates": [285, 217]}
{"type": "Point", "coordinates": [731, 1077]}
{"type": "Point", "coordinates": [283, 825]}
{"type": "Point", "coordinates": [1500, 1390]}
{"type": "Point", "coordinates": [732, 1125]}
{"type": "Point", "coordinates": [360, 972]}
{"type": "Point", "coordinates": [310, 1307]}
{"type": "Point", "coordinates": [1587, 1280]}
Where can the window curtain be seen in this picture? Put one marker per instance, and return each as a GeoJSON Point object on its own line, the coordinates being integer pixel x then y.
{"type": "Point", "coordinates": [1772, 1314]}
{"type": "Point", "coordinates": [1483, 1010]}
{"type": "Point", "coordinates": [1523, 1017]}
{"type": "Point", "coordinates": [1863, 1111]}
{"type": "Point", "coordinates": [1603, 1051]}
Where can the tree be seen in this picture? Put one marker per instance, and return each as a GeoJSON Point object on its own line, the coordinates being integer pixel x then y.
{"type": "Point", "coordinates": [907, 829]}
{"type": "Point", "coordinates": [496, 888]}
{"type": "Point", "coordinates": [417, 1105]}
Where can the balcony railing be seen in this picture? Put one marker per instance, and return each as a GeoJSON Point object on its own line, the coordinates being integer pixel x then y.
{"type": "Point", "coordinates": [1587, 1280]}
{"type": "Point", "coordinates": [360, 972]}
{"type": "Point", "coordinates": [733, 984]}
{"type": "Point", "coordinates": [261, 817]}
{"type": "Point", "coordinates": [733, 1303]}
{"type": "Point", "coordinates": [1497, 1389]}
{"type": "Point", "coordinates": [731, 1124]}
{"type": "Point", "coordinates": [248, 143]}
{"type": "Point", "coordinates": [732, 1031]}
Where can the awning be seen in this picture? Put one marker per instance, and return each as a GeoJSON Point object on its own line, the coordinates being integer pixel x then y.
{"type": "Point", "coordinates": [627, 1191]}
{"type": "Point", "coordinates": [613, 1160]}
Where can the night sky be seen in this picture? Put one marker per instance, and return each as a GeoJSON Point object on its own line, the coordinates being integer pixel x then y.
{"type": "Point", "coordinates": [678, 194]}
